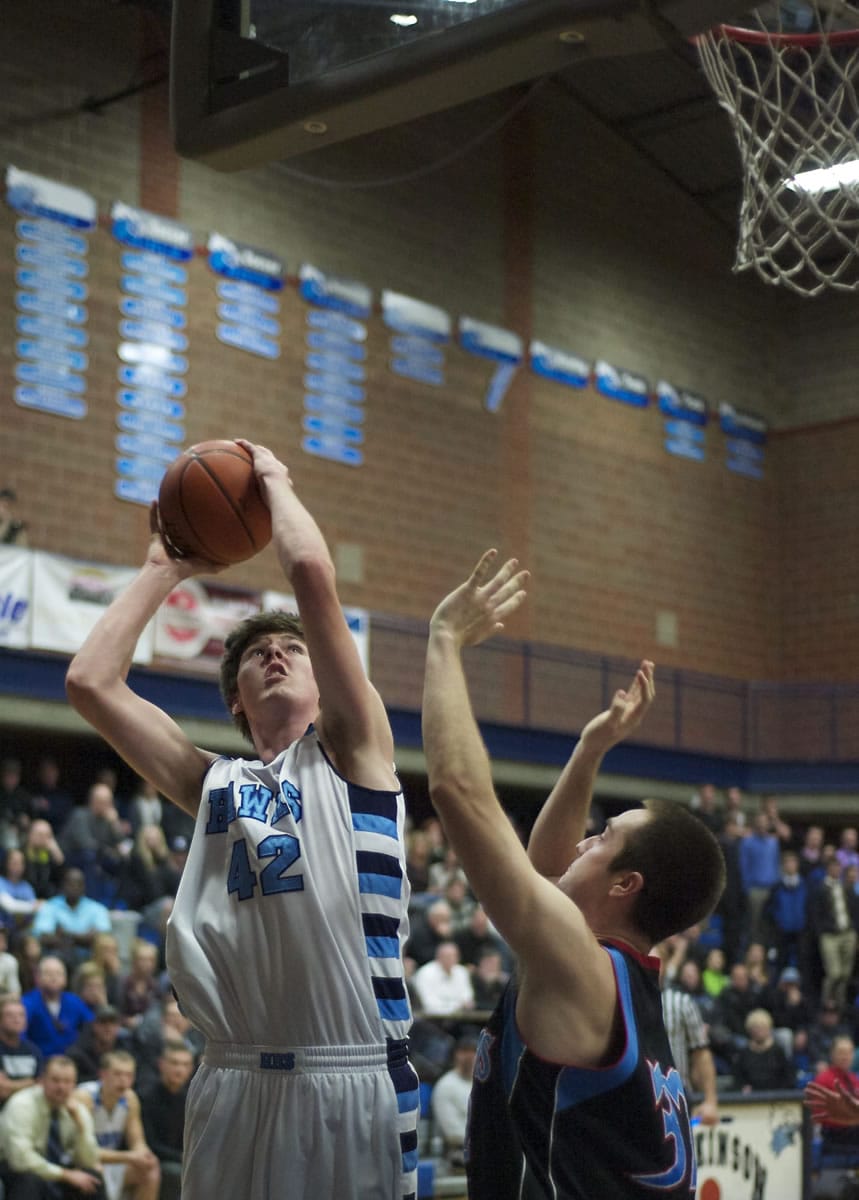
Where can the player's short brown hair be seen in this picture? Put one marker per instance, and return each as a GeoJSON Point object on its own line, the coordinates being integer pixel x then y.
{"type": "Point", "coordinates": [682, 865]}
{"type": "Point", "coordinates": [238, 640]}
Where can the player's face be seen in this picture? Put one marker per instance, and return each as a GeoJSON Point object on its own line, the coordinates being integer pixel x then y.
{"type": "Point", "coordinates": [275, 665]}
{"type": "Point", "coordinates": [588, 875]}
{"type": "Point", "coordinates": [118, 1078]}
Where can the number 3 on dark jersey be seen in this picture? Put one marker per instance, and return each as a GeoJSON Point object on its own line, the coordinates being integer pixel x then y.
{"type": "Point", "coordinates": [282, 849]}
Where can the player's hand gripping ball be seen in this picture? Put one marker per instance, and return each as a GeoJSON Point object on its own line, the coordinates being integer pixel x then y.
{"type": "Point", "coordinates": [210, 505]}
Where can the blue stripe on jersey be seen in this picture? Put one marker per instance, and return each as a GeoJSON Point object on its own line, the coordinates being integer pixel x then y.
{"type": "Point", "coordinates": [407, 1089]}
{"type": "Point", "coordinates": [371, 862]}
{"type": "Point", "coordinates": [394, 1010]}
{"type": "Point", "coordinates": [575, 1084]}
{"type": "Point", "coordinates": [380, 885]}
{"type": "Point", "coordinates": [378, 947]}
{"type": "Point", "coordinates": [371, 823]}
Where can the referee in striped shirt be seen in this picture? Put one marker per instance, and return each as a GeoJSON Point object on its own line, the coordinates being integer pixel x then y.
{"type": "Point", "coordinates": [690, 1048]}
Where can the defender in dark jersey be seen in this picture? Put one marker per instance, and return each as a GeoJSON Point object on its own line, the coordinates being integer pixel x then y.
{"type": "Point", "coordinates": [575, 1093]}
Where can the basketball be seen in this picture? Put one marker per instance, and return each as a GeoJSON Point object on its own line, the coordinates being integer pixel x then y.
{"type": "Point", "coordinates": [210, 504]}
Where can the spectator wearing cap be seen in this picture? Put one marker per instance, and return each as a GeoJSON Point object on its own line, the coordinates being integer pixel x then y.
{"type": "Point", "coordinates": [101, 1036]}
{"type": "Point", "coordinates": [791, 1010]}
{"type": "Point", "coordinates": [13, 532]}
{"type": "Point", "coordinates": [450, 1096]}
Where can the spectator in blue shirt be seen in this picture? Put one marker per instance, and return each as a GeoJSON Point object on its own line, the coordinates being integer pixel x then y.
{"type": "Point", "coordinates": [786, 911]}
{"type": "Point", "coordinates": [67, 923]}
{"type": "Point", "coordinates": [54, 1015]}
{"type": "Point", "coordinates": [760, 868]}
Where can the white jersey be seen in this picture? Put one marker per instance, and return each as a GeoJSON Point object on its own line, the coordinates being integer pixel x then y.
{"type": "Point", "coordinates": [109, 1130]}
{"type": "Point", "coordinates": [285, 950]}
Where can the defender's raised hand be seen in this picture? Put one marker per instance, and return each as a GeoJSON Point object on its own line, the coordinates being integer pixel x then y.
{"type": "Point", "coordinates": [479, 607]}
{"type": "Point", "coordinates": [626, 711]}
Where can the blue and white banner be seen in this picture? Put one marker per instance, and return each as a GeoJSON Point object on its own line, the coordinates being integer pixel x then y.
{"type": "Point", "coordinates": [745, 440]}
{"type": "Point", "coordinates": [69, 597]}
{"type": "Point", "coordinates": [334, 357]}
{"type": "Point", "coordinates": [619, 384]}
{"type": "Point", "coordinates": [51, 251]}
{"type": "Point", "coordinates": [420, 330]}
{"type": "Point", "coordinates": [244, 324]}
{"type": "Point", "coordinates": [559, 365]}
{"type": "Point", "coordinates": [502, 346]}
{"type": "Point", "coordinates": [16, 593]}
{"type": "Point", "coordinates": [684, 416]}
{"type": "Point", "coordinates": [153, 282]}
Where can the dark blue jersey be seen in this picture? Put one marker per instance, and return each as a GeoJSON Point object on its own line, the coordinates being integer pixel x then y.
{"type": "Point", "coordinates": [542, 1129]}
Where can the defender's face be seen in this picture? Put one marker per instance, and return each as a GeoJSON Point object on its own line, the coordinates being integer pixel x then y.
{"type": "Point", "coordinates": [274, 665]}
{"type": "Point", "coordinates": [588, 875]}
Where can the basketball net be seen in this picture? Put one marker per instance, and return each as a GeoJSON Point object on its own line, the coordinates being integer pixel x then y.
{"type": "Point", "coordinates": [789, 81]}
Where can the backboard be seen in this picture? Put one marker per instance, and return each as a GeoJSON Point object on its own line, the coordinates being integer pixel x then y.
{"type": "Point", "coordinates": [252, 81]}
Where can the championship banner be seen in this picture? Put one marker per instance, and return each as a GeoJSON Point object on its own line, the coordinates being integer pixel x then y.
{"type": "Point", "coordinates": [358, 620]}
{"type": "Point", "coordinates": [619, 384]}
{"type": "Point", "coordinates": [70, 596]}
{"type": "Point", "coordinates": [501, 346]}
{"type": "Point", "coordinates": [16, 593]}
{"type": "Point", "coordinates": [559, 365]}
{"type": "Point", "coordinates": [248, 307]}
{"type": "Point", "coordinates": [419, 331]}
{"type": "Point", "coordinates": [745, 439]}
{"type": "Point", "coordinates": [685, 416]}
{"type": "Point", "coordinates": [194, 620]}
{"type": "Point", "coordinates": [754, 1153]}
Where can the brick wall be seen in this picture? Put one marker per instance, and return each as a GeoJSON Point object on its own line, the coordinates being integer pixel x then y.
{"type": "Point", "coordinates": [550, 227]}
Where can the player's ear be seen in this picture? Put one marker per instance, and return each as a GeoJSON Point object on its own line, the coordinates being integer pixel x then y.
{"type": "Point", "coordinates": [235, 705]}
{"type": "Point", "coordinates": [627, 884]}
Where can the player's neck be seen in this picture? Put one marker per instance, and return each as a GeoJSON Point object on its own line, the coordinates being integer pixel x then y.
{"type": "Point", "coordinates": [271, 736]}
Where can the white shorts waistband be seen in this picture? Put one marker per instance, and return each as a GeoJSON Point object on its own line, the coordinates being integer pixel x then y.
{"type": "Point", "coordinates": [297, 1060]}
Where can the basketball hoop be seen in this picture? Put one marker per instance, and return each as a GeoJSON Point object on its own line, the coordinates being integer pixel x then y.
{"type": "Point", "coordinates": [790, 83]}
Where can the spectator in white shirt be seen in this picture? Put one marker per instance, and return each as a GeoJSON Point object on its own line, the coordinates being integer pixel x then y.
{"type": "Point", "coordinates": [451, 1093]}
{"type": "Point", "coordinates": [443, 985]}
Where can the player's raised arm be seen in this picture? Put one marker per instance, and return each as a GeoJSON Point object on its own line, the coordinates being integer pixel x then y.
{"type": "Point", "coordinates": [353, 721]}
{"type": "Point", "coordinates": [141, 733]}
{"type": "Point", "coordinates": [562, 821]}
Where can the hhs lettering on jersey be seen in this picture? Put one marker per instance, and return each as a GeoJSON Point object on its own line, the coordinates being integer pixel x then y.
{"type": "Point", "coordinates": [670, 1099]}
{"type": "Point", "coordinates": [279, 851]}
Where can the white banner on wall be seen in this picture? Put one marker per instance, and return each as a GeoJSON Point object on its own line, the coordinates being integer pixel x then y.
{"type": "Point", "coordinates": [754, 1153]}
{"type": "Point", "coordinates": [16, 590]}
{"type": "Point", "coordinates": [70, 596]}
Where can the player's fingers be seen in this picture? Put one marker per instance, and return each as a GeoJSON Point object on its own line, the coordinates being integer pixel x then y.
{"type": "Point", "coordinates": [481, 570]}
{"type": "Point", "coordinates": [514, 583]}
{"type": "Point", "coordinates": [509, 606]}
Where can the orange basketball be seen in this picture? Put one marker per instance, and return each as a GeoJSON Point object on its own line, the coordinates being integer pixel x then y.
{"type": "Point", "coordinates": [211, 506]}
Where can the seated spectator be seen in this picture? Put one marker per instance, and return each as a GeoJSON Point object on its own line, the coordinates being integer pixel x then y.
{"type": "Point", "coordinates": [689, 980]}
{"type": "Point", "coordinates": [54, 1015]}
{"type": "Point", "coordinates": [418, 861]}
{"type": "Point", "coordinates": [44, 860]}
{"type": "Point", "coordinates": [16, 803]}
{"type": "Point", "coordinates": [828, 1024]}
{"type": "Point", "coordinates": [488, 980]}
{"type": "Point", "coordinates": [10, 980]}
{"type": "Point", "coordinates": [131, 1171]}
{"type": "Point", "coordinates": [29, 954]}
{"type": "Point", "coordinates": [51, 802]}
{"type": "Point", "coordinates": [735, 1002]}
{"type": "Point", "coordinates": [88, 983]}
{"type": "Point", "coordinates": [460, 901]}
{"type": "Point", "coordinates": [479, 936]}
{"type": "Point", "coordinates": [450, 1097]}
{"type": "Point", "coordinates": [163, 1111]}
{"type": "Point", "coordinates": [18, 901]}
{"type": "Point", "coordinates": [762, 1065]}
{"type": "Point", "coordinates": [714, 979]}
{"type": "Point", "coordinates": [791, 1009]}
{"type": "Point", "coordinates": [101, 1036]}
{"type": "Point", "coordinates": [435, 927]}
{"type": "Point", "coordinates": [105, 954]}
{"type": "Point", "coordinates": [163, 1025]}
{"type": "Point", "coordinates": [149, 872]}
{"type": "Point", "coordinates": [145, 806]}
{"type": "Point", "coordinates": [442, 872]}
{"type": "Point", "coordinates": [141, 989]}
{"type": "Point", "coordinates": [21, 1060]}
{"type": "Point", "coordinates": [443, 986]}
{"type": "Point", "coordinates": [49, 1139]}
{"type": "Point", "coordinates": [837, 1076]}
{"type": "Point", "coordinates": [67, 923]}
{"type": "Point", "coordinates": [757, 966]}
{"type": "Point", "coordinates": [94, 839]}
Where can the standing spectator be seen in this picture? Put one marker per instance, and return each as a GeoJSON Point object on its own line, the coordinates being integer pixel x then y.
{"type": "Point", "coordinates": [759, 871]}
{"type": "Point", "coordinates": [775, 823]}
{"type": "Point", "coordinates": [21, 1060]}
{"type": "Point", "coordinates": [848, 848]}
{"type": "Point", "coordinates": [10, 979]}
{"type": "Point", "coordinates": [141, 989]}
{"type": "Point", "coordinates": [13, 531]}
{"type": "Point", "coordinates": [707, 808]}
{"type": "Point", "coordinates": [786, 912]}
{"type": "Point", "coordinates": [762, 1065]}
{"type": "Point", "coordinates": [837, 1076]}
{"type": "Point", "coordinates": [451, 1094]}
{"type": "Point", "coordinates": [735, 813]}
{"type": "Point", "coordinates": [44, 860]}
{"type": "Point", "coordinates": [833, 913]}
{"type": "Point", "coordinates": [443, 986]}
{"type": "Point", "coordinates": [163, 1112]}
{"type": "Point", "coordinates": [732, 903]}
{"type": "Point", "coordinates": [811, 850]}
{"type": "Point", "coordinates": [101, 1036]}
{"type": "Point", "coordinates": [67, 923]}
{"type": "Point", "coordinates": [51, 802]}
{"type": "Point", "coordinates": [16, 804]}
{"type": "Point", "coordinates": [131, 1171]}
{"type": "Point", "coordinates": [54, 1015]}
{"type": "Point", "coordinates": [93, 839]}
{"type": "Point", "coordinates": [18, 899]}
{"type": "Point", "coordinates": [49, 1139]}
